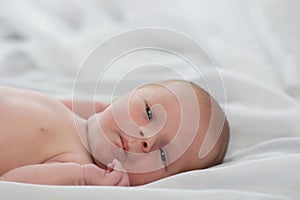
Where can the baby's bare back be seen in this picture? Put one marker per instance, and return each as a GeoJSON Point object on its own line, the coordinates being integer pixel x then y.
{"type": "Point", "coordinates": [34, 128]}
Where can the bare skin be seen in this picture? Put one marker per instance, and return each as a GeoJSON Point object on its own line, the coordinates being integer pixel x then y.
{"type": "Point", "coordinates": [36, 147]}
{"type": "Point", "coordinates": [43, 141]}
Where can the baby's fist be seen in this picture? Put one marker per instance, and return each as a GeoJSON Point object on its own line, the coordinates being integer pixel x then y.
{"type": "Point", "coordinates": [114, 176]}
{"type": "Point", "coordinates": [117, 174]}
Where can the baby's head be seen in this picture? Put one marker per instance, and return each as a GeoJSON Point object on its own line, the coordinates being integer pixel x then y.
{"type": "Point", "coordinates": [160, 129]}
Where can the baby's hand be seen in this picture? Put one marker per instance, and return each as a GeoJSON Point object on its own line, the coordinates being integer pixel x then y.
{"type": "Point", "coordinates": [115, 175]}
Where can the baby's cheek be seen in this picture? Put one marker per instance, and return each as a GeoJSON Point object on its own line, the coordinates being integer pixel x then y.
{"type": "Point", "coordinates": [144, 178]}
{"type": "Point", "coordinates": [137, 115]}
{"type": "Point", "coordinates": [107, 121]}
{"type": "Point", "coordinates": [142, 162]}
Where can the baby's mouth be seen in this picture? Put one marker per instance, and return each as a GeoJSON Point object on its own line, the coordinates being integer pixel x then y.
{"type": "Point", "coordinates": [124, 143]}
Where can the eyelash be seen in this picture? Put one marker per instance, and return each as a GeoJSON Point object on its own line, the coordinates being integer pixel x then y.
{"type": "Point", "coordinates": [163, 157]}
{"type": "Point", "coordinates": [149, 112]}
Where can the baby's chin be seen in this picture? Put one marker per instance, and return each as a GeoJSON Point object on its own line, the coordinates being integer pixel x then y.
{"type": "Point", "coordinates": [92, 122]}
{"type": "Point", "coordinates": [93, 117]}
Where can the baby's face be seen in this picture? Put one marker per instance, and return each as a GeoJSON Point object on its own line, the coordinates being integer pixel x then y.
{"type": "Point", "coordinates": [150, 131]}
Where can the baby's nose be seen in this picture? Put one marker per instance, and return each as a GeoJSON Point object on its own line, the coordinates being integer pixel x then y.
{"type": "Point", "coordinates": [141, 145]}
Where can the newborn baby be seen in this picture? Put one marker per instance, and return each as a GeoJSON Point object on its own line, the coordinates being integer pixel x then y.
{"type": "Point", "coordinates": [155, 131]}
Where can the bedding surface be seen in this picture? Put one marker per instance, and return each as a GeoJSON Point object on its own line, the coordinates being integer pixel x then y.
{"type": "Point", "coordinates": [252, 45]}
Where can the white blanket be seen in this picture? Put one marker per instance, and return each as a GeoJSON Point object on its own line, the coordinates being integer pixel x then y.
{"type": "Point", "coordinates": [254, 43]}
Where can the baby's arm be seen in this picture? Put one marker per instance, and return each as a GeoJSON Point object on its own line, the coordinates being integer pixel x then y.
{"type": "Point", "coordinates": [48, 174]}
{"type": "Point", "coordinates": [68, 174]}
{"type": "Point", "coordinates": [84, 108]}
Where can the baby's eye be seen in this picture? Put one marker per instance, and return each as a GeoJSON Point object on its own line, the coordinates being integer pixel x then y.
{"type": "Point", "coordinates": [163, 157]}
{"type": "Point", "coordinates": [148, 112]}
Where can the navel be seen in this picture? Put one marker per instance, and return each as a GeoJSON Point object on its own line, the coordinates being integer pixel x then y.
{"type": "Point", "coordinates": [43, 130]}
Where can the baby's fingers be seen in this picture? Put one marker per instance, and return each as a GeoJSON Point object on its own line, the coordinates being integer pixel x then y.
{"type": "Point", "coordinates": [110, 167]}
{"type": "Point", "coordinates": [124, 181]}
{"type": "Point", "coordinates": [113, 178]}
{"type": "Point", "coordinates": [117, 165]}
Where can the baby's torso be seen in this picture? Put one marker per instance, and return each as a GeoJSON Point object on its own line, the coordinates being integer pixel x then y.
{"type": "Point", "coordinates": [34, 129]}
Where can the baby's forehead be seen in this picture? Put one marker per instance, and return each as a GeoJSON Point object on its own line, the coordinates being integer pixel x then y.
{"type": "Point", "coordinates": [175, 88]}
